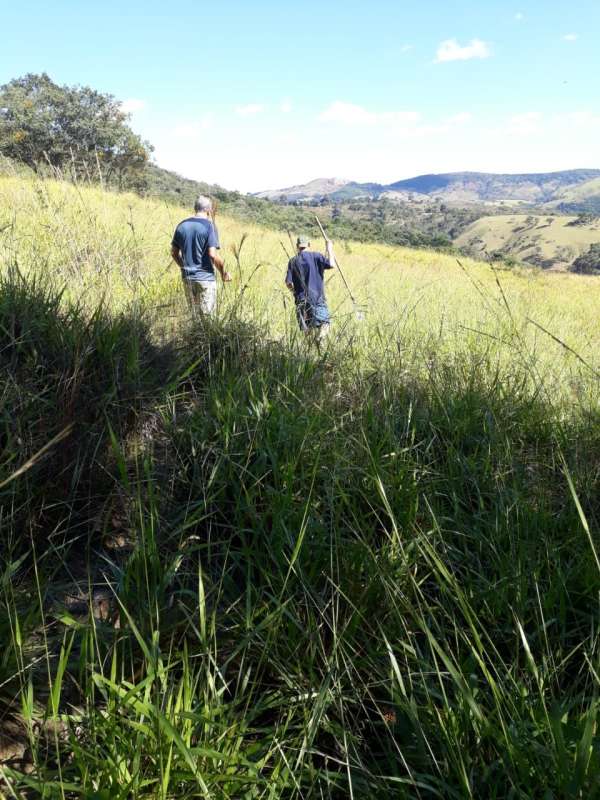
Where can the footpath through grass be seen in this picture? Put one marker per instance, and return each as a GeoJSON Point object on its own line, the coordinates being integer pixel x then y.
{"type": "Point", "coordinates": [235, 568]}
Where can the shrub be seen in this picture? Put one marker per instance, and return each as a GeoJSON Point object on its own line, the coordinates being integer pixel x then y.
{"type": "Point", "coordinates": [589, 262]}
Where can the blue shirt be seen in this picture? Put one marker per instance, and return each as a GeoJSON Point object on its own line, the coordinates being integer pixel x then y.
{"type": "Point", "coordinates": [305, 272]}
{"type": "Point", "coordinates": [193, 237]}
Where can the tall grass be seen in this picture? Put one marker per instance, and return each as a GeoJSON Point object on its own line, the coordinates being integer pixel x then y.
{"type": "Point", "coordinates": [248, 569]}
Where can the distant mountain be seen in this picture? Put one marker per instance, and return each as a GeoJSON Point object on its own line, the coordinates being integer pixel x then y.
{"type": "Point", "coordinates": [320, 187]}
{"type": "Point", "coordinates": [568, 187]}
{"type": "Point", "coordinates": [536, 188]}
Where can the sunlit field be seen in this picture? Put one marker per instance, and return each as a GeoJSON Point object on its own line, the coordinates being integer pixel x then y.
{"type": "Point", "coordinates": [234, 565]}
{"type": "Point", "coordinates": [97, 245]}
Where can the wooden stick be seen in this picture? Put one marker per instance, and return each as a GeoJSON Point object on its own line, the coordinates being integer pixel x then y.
{"type": "Point", "coordinates": [287, 230]}
{"type": "Point", "coordinates": [337, 262]}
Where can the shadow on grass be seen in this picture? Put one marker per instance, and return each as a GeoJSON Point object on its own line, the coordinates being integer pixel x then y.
{"type": "Point", "coordinates": [340, 564]}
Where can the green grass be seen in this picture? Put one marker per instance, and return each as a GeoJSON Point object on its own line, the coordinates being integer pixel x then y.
{"type": "Point", "coordinates": [370, 572]}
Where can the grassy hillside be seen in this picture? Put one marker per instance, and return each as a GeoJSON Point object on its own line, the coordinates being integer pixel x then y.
{"type": "Point", "coordinates": [582, 198]}
{"type": "Point", "coordinates": [391, 223]}
{"type": "Point", "coordinates": [467, 210]}
{"type": "Point", "coordinates": [546, 241]}
{"type": "Point", "coordinates": [234, 567]}
{"type": "Point", "coordinates": [581, 192]}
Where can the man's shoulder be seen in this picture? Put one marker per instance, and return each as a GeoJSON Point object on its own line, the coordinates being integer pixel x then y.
{"type": "Point", "coordinates": [193, 222]}
{"type": "Point", "coordinates": [181, 226]}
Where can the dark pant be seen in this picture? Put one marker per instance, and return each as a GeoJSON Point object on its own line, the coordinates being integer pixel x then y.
{"type": "Point", "coordinates": [312, 315]}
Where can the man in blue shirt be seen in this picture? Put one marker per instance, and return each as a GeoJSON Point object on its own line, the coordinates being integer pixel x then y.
{"type": "Point", "coordinates": [305, 279]}
{"type": "Point", "coordinates": [194, 248]}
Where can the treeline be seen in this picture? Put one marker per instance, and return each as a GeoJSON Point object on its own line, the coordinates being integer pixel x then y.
{"type": "Point", "coordinates": [74, 130]}
{"type": "Point", "coordinates": [588, 263]}
{"type": "Point", "coordinates": [591, 206]}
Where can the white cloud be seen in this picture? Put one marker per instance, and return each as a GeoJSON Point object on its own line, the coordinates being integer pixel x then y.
{"type": "Point", "coordinates": [460, 119]}
{"type": "Point", "coordinates": [578, 120]}
{"type": "Point", "coordinates": [399, 118]}
{"type": "Point", "coordinates": [286, 107]}
{"type": "Point", "coordinates": [571, 37]}
{"type": "Point", "coordinates": [451, 50]}
{"type": "Point", "coordinates": [397, 124]}
{"type": "Point", "coordinates": [348, 114]}
{"type": "Point", "coordinates": [391, 145]}
{"type": "Point", "coordinates": [406, 48]}
{"type": "Point", "coordinates": [353, 115]}
{"type": "Point", "coordinates": [525, 124]}
{"type": "Point", "coordinates": [132, 104]}
{"type": "Point", "coordinates": [519, 16]}
{"type": "Point", "coordinates": [249, 110]}
{"type": "Point", "coordinates": [191, 130]}
{"type": "Point", "coordinates": [287, 140]}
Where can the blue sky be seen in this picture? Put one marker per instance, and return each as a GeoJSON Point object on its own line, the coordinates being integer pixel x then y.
{"type": "Point", "coordinates": [267, 94]}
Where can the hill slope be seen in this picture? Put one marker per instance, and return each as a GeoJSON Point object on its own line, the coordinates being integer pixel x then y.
{"type": "Point", "coordinates": [585, 197]}
{"type": "Point", "coordinates": [235, 566]}
{"type": "Point", "coordinates": [546, 241]}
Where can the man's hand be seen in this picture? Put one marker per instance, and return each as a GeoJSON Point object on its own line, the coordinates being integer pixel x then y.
{"type": "Point", "coordinates": [219, 264]}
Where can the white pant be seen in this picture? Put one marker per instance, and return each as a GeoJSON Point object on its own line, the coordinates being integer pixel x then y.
{"type": "Point", "coordinates": [201, 295]}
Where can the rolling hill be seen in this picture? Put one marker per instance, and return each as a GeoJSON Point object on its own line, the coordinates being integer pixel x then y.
{"type": "Point", "coordinates": [583, 197]}
{"type": "Point", "coordinates": [578, 185]}
{"type": "Point", "coordinates": [546, 241]}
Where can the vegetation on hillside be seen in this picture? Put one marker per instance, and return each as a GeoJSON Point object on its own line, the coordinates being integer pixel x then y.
{"type": "Point", "coordinates": [385, 221]}
{"type": "Point", "coordinates": [546, 241]}
{"type": "Point", "coordinates": [589, 262]}
{"type": "Point", "coordinates": [233, 567]}
{"type": "Point", "coordinates": [75, 130]}
{"type": "Point", "coordinates": [589, 205]}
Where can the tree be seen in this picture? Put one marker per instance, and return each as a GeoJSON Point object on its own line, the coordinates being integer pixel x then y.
{"type": "Point", "coordinates": [69, 127]}
{"type": "Point", "coordinates": [588, 263]}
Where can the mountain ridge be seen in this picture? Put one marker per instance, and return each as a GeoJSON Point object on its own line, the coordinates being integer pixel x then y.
{"type": "Point", "coordinates": [463, 187]}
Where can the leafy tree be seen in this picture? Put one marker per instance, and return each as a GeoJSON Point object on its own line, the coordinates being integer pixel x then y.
{"type": "Point", "coordinates": [588, 263]}
{"type": "Point", "coordinates": [69, 127]}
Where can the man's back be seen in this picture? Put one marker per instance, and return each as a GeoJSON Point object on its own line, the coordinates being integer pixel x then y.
{"type": "Point", "coordinates": [305, 272]}
{"type": "Point", "coordinates": [193, 237]}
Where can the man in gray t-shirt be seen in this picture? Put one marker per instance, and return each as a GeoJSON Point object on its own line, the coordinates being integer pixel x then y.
{"type": "Point", "coordinates": [194, 248]}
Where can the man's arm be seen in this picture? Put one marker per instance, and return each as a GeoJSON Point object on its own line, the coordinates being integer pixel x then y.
{"type": "Point", "coordinates": [218, 263]}
{"type": "Point", "coordinates": [288, 278]}
{"type": "Point", "coordinates": [330, 253]}
{"type": "Point", "coordinates": [176, 255]}
{"type": "Point", "coordinates": [213, 246]}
